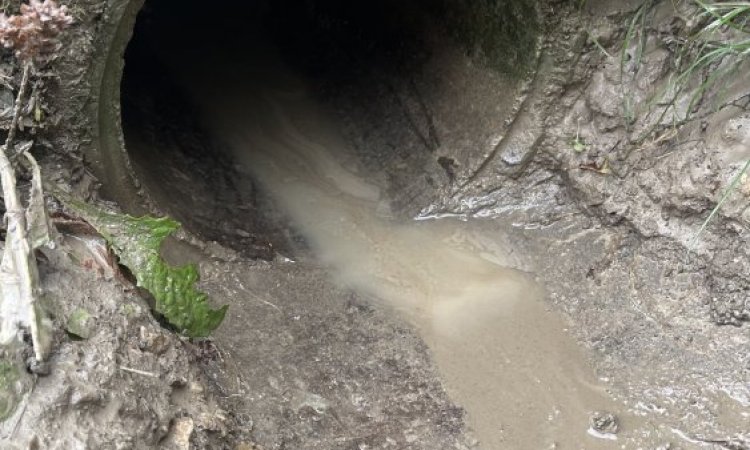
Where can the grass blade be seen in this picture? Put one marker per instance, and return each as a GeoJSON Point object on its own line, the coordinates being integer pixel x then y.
{"type": "Point", "coordinates": [731, 188]}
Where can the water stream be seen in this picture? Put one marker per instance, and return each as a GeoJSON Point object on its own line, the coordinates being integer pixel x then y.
{"type": "Point", "coordinates": [502, 355]}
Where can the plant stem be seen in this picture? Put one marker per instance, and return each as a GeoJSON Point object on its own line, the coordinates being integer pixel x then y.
{"type": "Point", "coordinates": [17, 108]}
{"type": "Point", "coordinates": [731, 188]}
{"type": "Point", "coordinates": [19, 275]}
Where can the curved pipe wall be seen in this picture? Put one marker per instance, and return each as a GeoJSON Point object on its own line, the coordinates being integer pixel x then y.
{"type": "Point", "coordinates": [439, 111]}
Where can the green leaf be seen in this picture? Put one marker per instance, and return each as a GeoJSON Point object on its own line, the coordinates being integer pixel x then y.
{"type": "Point", "coordinates": [137, 242]}
{"type": "Point", "coordinates": [578, 145]}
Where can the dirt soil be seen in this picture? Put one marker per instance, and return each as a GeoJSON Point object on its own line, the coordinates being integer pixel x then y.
{"type": "Point", "coordinates": [303, 362]}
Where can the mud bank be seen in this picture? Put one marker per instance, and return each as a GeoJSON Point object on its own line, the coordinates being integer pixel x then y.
{"type": "Point", "coordinates": [435, 123]}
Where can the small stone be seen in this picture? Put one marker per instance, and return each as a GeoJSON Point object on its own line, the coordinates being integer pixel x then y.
{"type": "Point", "coordinates": [604, 422]}
{"type": "Point", "coordinates": [179, 434]}
{"type": "Point", "coordinates": [153, 341]}
{"type": "Point", "coordinates": [84, 394]}
{"type": "Point", "coordinates": [514, 155]}
{"type": "Point", "coordinates": [212, 422]}
{"type": "Point", "coordinates": [41, 368]}
{"type": "Point", "coordinates": [80, 324]}
{"type": "Point", "coordinates": [242, 233]}
{"type": "Point", "coordinates": [312, 401]}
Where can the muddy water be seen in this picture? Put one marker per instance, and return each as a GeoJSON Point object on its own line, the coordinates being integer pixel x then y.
{"type": "Point", "coordinates": [503, 357]}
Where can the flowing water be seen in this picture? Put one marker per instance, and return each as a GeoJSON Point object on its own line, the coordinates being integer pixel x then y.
{"type": "Point", "coordinates": [502, 355]}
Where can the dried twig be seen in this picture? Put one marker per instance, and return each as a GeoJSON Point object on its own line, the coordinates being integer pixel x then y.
{"type": "Point", "coordinates": [17, 108]}
{"type": "Point", "coordinates": [138, 372]}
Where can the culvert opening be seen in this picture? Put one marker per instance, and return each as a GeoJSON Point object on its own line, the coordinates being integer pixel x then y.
{"type": "Point", "coordinates": [344, 115]}
{"type": "Point", "coordinates": [418, 90]}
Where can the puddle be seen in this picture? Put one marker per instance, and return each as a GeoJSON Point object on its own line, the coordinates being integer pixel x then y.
{"type": "Point", "coordinates": [501, 354]}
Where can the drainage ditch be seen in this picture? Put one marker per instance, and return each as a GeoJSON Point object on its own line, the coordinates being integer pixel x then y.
{"type": "Point", "coordinates": [323, 125]}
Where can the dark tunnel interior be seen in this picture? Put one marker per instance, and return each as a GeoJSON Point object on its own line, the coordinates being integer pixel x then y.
{"type": "Point", "coordinates": [379, 66]}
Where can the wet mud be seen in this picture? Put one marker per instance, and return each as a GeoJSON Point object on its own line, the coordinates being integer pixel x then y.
{"type": "Point", "coordinates": [415, 253]}
{"type": "Point", "coordinates": [500, 353]}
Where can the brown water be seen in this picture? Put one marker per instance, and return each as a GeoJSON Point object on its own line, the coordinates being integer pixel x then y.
{"type": "Point", "coordinates": [502, 355]}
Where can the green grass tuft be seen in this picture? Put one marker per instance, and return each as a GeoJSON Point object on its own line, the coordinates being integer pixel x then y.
{"type": "Point", "coordinates": [712, 54]}
{"type": "Point", "coordinates": [703, 60]}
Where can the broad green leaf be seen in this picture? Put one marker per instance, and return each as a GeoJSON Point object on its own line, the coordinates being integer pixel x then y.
{"type": "Point", "coordinates": [137, 242]}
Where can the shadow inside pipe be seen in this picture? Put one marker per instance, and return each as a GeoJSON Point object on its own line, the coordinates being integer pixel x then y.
{"type": "Point", "coordinates": [411, 85]}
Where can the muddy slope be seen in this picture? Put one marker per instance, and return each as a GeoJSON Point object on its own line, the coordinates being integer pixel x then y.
{"type": "Point", "coordinates": [117, 379]}
{"type": "Point", "coordinates": [612, 243]}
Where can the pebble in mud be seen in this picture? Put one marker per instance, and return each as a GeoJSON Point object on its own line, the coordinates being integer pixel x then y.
{"type": "Point", "coordinates": [152, 341]}
{"type": "Point", "coordinates": [604, 423]}
{"type": "Point", "coordinates": [80, 324]}
{"type": "Point", "coordinates": [41, 368]}
{"type": "Point", "coordinates": [179, 435]}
